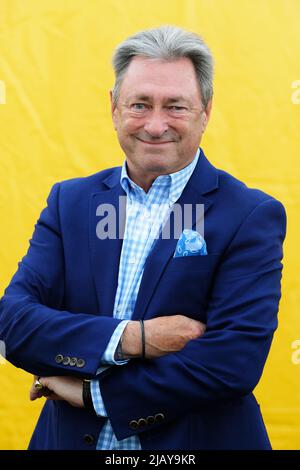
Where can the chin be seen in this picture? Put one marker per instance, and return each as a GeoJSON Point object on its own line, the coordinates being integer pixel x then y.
{"type": "Point", "coordinates": [161, 167]}
{"type": "Point", "coordinates": [159, 170]}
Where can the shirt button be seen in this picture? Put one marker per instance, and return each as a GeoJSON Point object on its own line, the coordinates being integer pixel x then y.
{"type": "Point", "coordinates": [119, 308]}
{"type": "Point", "coordinates": [132, 260]}
{"type": "Point", "coordinates": [145, 215]}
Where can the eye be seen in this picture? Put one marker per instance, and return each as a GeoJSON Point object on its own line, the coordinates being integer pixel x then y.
{"type": "Point", "coordinates": [138, 107]}
{"type": "Point", "coordinates": [177, 109]}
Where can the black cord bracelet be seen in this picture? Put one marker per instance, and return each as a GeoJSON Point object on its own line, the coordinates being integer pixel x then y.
{"type": "Point", "coordinates": [119, 356]}
{"type": "Point", "coordinates": [87, 395]}
{"type": "Point", "coordinates": [143, 339]}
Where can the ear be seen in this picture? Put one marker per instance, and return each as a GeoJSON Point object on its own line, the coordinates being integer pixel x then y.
{"type": "Point", "coordinates": [206, 115]}
{"type": "Point", "coordinates": [113, 108]}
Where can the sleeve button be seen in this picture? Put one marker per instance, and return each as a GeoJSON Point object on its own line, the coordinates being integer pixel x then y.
{"type": "Point", "coordinates": [66, 360]}
{"type": "Point", "coordinates": [73, 361]}
{"type": "Point", "coordinates": [80, 363]}
{"type": "Point", "coordinates": [150, 420]}
{"type": "Point", "coordinates": [159, 418]}
{"type": "Point", "coordinates": [133, 424]}
{"type": "Point", "coordinates": [142, 423]}
{"type": "Point", "coordinates": [59, 358]}
{"type": "Point", "coordinates": [89, 439]}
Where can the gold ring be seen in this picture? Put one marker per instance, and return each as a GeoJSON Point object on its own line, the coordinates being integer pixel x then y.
{"type": "Point", "coordinates": [38, 385]}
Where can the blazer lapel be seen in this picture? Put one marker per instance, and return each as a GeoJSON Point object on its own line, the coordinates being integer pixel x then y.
{"type": "Point", "coordinates": [105, 253]}
{"type": "Point", "coordinates": [203, 180]}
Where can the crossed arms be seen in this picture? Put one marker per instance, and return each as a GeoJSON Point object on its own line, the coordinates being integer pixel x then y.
{"type": "Point", "coordinates": [225, 362]}
{"type": "Point", "coordinates": [163, 335]}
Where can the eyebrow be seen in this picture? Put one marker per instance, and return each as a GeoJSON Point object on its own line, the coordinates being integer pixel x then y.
{"type": "Point", "coordinates": [171, 99]}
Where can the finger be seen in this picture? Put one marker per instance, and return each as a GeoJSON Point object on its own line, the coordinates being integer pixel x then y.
{"type": "Point", "coordinates": [34, 394]}
{"type": "Point", "coordinates": [46, 392]}
{"type": "Point", "coordinates": [39, 392]}
{"type": "Point", "coordinates": [53, 396]}
{"type": "Point", "coordinates": [47, 382]}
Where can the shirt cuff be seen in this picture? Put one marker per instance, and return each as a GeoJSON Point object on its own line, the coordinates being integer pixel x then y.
{"type": "Point", "coordinates": [109, 354]}
{"type": "Point", "coordinates": [97, 399]}
{"type": "Point", "coordinates": [107, 358]}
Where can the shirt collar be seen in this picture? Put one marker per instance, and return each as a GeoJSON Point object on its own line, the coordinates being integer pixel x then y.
{"type": "Point", "coordinates": [175, 182]}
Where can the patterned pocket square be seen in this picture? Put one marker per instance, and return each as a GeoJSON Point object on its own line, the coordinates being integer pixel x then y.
{"type": "Point", "coordinates": [190, 243]}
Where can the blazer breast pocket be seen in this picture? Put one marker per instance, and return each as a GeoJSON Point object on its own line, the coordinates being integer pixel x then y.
{"type": "Point", "coordinates": [185, 285]}
{"type": "Point", "coordinates": [194, 263]}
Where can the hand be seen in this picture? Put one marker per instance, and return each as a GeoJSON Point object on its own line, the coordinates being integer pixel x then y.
{"type": "Point", "coordinates": [35, 393]}
{"type": "Point", "coordinates": [163, 335]}
{"type": "Point", "coordinates": [60, 388]}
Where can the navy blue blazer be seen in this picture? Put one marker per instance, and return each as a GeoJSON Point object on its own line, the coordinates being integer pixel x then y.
{"type": "Point", "coordinates": [60, 302]}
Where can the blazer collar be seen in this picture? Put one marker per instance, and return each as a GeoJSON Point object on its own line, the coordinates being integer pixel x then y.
{"type": "Point", "coordinates": [204, 178]}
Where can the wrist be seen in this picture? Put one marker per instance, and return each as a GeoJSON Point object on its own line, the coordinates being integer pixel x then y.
{"type": "Point", "coordinates": [143, 340]}
{"type": "Point", "coordinates": [131, 340]}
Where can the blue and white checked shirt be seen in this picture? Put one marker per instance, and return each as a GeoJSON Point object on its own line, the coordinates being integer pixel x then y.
{"type": "Point", "coordinates": [145, 214]}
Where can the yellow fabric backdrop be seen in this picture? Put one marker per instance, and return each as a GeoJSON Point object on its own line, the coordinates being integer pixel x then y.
{"type": "Point", "coordinates": [55, 124]}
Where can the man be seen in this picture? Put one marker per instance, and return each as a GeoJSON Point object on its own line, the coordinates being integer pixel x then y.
{"type": "Point", "coordinates": [171, 334]}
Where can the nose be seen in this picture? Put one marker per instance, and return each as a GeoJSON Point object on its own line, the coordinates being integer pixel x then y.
{"type": "Point", "coordinates": [156, 124]}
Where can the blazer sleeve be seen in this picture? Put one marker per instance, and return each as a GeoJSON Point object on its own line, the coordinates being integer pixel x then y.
{"type": "Point", "coordinates": [227, 362]}
{"type": "Point", "coordinates": [35, 328]}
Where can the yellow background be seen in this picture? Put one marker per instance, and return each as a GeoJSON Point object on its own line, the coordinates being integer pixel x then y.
{"type": "Point", "coordinates": [55, 64]}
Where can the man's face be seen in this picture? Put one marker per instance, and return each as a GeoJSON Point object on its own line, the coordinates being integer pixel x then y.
{"type": "Point", "coordinates": [159, 116]}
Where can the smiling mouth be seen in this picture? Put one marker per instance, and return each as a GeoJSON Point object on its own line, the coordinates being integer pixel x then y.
{"type": "Point", "coordinates": [155, 143]}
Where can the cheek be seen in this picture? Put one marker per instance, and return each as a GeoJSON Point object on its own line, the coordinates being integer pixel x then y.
{"type": "Point", "coordinates": [194, 131]}
{"type": "Point", "coordinates": [130, 126]}
{"type": "Point", "coordinates": [183, 127]}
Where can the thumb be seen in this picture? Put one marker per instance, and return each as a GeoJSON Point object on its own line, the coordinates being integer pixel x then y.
{"type": "Point", "coordinates": [34, 393]}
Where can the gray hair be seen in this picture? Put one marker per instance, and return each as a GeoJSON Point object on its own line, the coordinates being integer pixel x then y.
{"type": "Point", "coordinates": [166, 43]}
